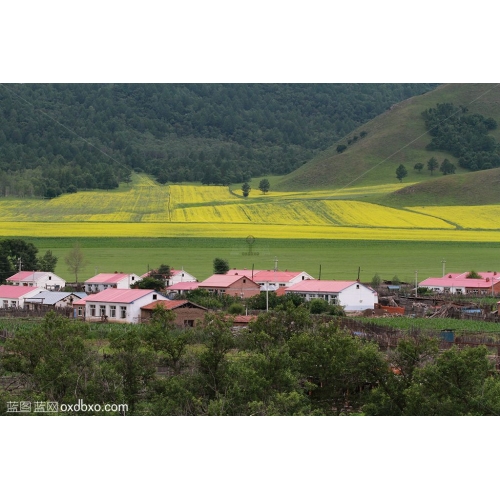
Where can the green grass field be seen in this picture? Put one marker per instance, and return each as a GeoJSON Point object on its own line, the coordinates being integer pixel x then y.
{"type": "Point", "coordinates": [339, 259]}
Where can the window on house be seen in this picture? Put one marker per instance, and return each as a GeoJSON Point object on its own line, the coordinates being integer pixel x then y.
{"type": "Point", "coordinates": [357, 287]}
{"type": "Point", "coordinates": [50, 277]}
{"type": "Point", "coordinates": [188, 322]}
{"type": "Point", "coordinates": [80, 310]}
{"type": "Point", "coordinates": [133, 278]}
{"type": "Point", "coordinates": [102, 310]}
{"type": "Point", "coordinates": [92, 309]}
{"type": "Point", "coordinates": [123, 312]}
{"type": "Point", "coordinates": [6, 303]}
{"type": "Point", "coordinates": [112, 311]}
{"type": "Point", "coordinates": [244, 281]}
{"type": "Point", "coordinates": [155, 296]}
{"type": "Point", "coordinates": [13, 303]}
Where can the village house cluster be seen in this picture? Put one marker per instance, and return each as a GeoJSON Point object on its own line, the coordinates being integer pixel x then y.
{"type": "Point", "coordinates": [113, 297]}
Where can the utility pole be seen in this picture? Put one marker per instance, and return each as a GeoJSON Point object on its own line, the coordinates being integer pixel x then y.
{"type": "Point", "coordinates": [416, 284]}
{"type": "Point", "coordinates": [275, 264]}
{"type": "Point", "coordinates": [267, 296]}
{"type": "Point", "coordinates": [20, 264]}
{"type": "Point", "coordinates": [443, 262]}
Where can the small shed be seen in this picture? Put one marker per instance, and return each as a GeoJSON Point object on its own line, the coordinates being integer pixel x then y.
{"type": "Point", "coordinates": [187, 313]}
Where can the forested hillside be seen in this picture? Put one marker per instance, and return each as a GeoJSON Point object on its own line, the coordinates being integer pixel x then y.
{"type": "Point", "coordinates": [57, 138]}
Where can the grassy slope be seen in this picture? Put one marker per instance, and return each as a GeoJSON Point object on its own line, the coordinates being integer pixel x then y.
{"type": "Point", "coordinates": [473, 188]}
{"type": "Point", "coordinates": [397, 136]}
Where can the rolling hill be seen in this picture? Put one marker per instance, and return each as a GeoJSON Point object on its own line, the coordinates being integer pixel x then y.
{"type": "Point", "coordinates": [398, 136]}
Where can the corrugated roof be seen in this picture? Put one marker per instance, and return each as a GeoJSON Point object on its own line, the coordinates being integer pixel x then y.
{"type": "Point", "coordinates": [461, 282]}
{"type": "Point", "coordinates": [171, 304]}
{"type": "Point", "coordinates": [16, 292]}
{"type": "Point", "coordinates": [321, 286]}
{"type": "Point", "coordinates": [107, 278]}
{"type": "Point", "coordinates": [28, 276]}
{"type": "Point", "coordinates": [283, 276]}
{"type": "Point", "coordinates": [125, 296]}
{"type": "Point", "coordinates": [49, 298]}
{"type": "Point", "coordinates": [223, 280]}
{"type": "Point", "coordinates": [243, 272]}
{"type": "Point", "coordinates": [185, 285]}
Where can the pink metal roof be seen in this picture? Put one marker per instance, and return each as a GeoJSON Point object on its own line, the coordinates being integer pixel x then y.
{"type": "Point", "coordinates": [320, 286]}
{"type": "Point", "coordinates": [274, 276]}
{"type": "Point", "coordinates": [107, 278]}
{"type": "Point", "coordinates": [15, 292]}
{"type": "Point", "coordinates": [22, 275]}
{"type": "Point", "coordinates": [223, 280]}
{"type": "Point", "coordinates": [27, 276]}
{"type": "Point", "coordinates": [81, 302]}
{"type": "Point", "coordinates": [243, 272]}
{"type": "Point", "coordinates": [125, 296]}
{"type": "Point", "coordinates": [460, 282]}
{"type": "Point", "coordinates": [185, 285]}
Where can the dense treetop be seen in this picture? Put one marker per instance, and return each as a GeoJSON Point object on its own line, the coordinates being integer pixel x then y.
{"type": "Point", "coordinates": [57, 138]}
{"type": "Point", "coordinates": [463, 134]}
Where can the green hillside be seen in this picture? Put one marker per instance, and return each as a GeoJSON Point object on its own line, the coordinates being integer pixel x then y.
{"type": "Point", "coordinates": [396, 137]}
{"type": "Point", "coordinates": [472, 188]}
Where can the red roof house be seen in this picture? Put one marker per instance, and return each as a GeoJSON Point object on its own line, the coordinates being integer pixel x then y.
{"type": "Point", "coordinates": [239, 286]}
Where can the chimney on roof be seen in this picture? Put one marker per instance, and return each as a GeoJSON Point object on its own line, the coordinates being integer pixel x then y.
{"type": "Point", "coordinates": [449, 275]}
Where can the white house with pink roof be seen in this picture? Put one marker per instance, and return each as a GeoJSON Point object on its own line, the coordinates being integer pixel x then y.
{"type": "Point", "coordinates": [15, 295]}
{"type": "Point", "coordinates": [104, 281]}
{"type": "Point", "coordinates": [458, 283]}
{"type": "Point", "coordinates": [351, 295]}
{"type": "Point", "coordinates": [47, 280]}
{"type": "Point", "coordinates": [280, 279]}
{"type": "Point", "coordinates": [115, 305]}
{"type": "Point", "coordinates": [176, 276]}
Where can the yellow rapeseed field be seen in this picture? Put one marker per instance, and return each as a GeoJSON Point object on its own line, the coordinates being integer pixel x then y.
{"type": "Point", "coordinates": [476, 217]}
{"type": "Point", "coordinates": [230, 230]}
{"type": "Point", "coordinates": [147, 209]}
{"type": "Point", "coordinates": [311, 212]}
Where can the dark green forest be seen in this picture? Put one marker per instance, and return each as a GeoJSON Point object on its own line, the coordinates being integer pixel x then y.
{"type": "Point", "coordinates": [57, 138]}
{"type": "Point", "coordinates": [464, 135]}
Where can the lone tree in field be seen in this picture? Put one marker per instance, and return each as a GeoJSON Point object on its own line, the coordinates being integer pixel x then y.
{"type": "Point", "coordinates": [401, 172]}
{"type": "Point", "coordinates": [376, 281]}
{"type": "Point", "coordinates": [245, 189]}
{"type": "Point", "coordinates": [418, 167]}
{"type": "Point", "coordinates": [341, 148]}
{"type": "Point", "coordinates": [432, 165]}
{"type": "Point", "coordinates": [221, 266]}
{"type": "Point", "coordinates": [75, 260]}
{"type": "Point", "coordinates": [264, 186]}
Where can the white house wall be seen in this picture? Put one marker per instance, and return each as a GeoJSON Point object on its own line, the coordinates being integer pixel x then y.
{"type": "Point", "coordinates": [133, 309]}
{"type": "Point", "coordinates": [181, 277]}
{"type": "Point", "coordinates": [357, 299]}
